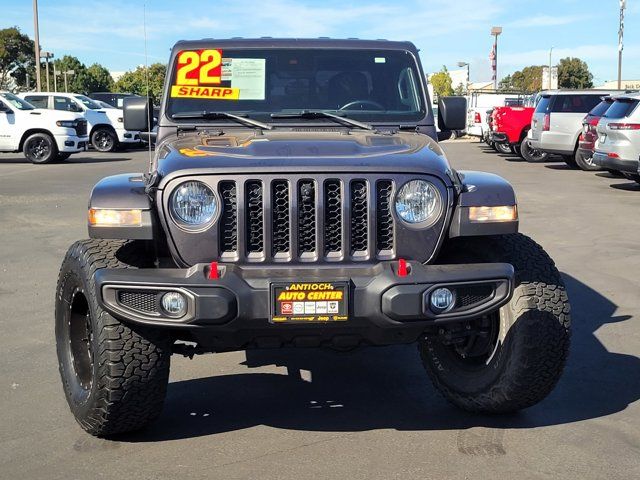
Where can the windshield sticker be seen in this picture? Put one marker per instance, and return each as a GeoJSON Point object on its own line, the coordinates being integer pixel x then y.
{"type": "Point", "coordinates": [247, 75]}
{"type": "Point", "coordinates": [206, 74]}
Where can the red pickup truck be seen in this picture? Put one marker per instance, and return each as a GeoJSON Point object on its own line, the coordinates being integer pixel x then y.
{"type": "Point", "coordinates": [510, 126]}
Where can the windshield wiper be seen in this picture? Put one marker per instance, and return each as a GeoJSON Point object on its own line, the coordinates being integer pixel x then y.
{"type": "Point", "coordinates": [216, 115]}
{"type": "Point", "coordinates": [311, 114]}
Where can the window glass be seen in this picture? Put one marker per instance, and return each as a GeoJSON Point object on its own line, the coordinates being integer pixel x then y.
{"type": "Point", "coordinates": [621, 108]}
{"type": "Point", "coordinates": [601, 108]}
{"type": "Point", "coordinates": [574, 103]}
{"type": "Point", "coordinates": [87, 102]}
{"type": "Point", "coordinates": [38, 101]}
{"type": "Point", "coordinates": [16, 102]}
{"type": "Point", "coordinates": [362, 84]}
{"type": "Point", "coordinates": [66, 104]}
{"type": "Point", "coordinates": [543, 105]}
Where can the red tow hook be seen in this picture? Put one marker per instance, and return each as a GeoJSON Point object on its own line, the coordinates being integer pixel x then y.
{"type": "Point", "coordinates": [403, 267]}
{"type": "Point", "coordinates": [213, 271]}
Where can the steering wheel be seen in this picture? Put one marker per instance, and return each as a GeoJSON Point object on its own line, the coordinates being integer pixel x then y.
{"type": "Point", "coordinates": [350, 105]}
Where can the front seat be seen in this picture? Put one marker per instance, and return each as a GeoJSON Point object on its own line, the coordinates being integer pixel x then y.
{"type": "Point", "coordinates": [346, 87]}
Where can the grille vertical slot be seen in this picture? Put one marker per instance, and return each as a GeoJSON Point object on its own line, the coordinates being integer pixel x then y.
{"type": "Point", "coordinates": [332, 217]}
{"type": "Point", "coordinates": [359, 235]}
{"type": "Point", "coordinates": [306, 216]}
{"type": "Point", "coordinates": [229, 217]}
{"type": "Point", "coordinates": [384, 217]}
{"type": "Point", "coordinates": [254, 217]}
{"type": "Point", "coordinates": [281, 227]}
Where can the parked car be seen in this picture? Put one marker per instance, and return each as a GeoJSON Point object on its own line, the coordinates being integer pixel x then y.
{"type": "Point", "coordinates": [618, 144]}
{"type": "Point", "coordinates": [311, 220]}
{"type": "Point", "coordinates": [510, 125]}
{"type": "Point", "coordinates": [482, 102]}
{"type": "Point", "coordinates": [557, 123]}
{"type": "Point", "coordinates": [106, 128]}
{"type": "Point", "coordinates": [42, 135]}
{"type": "Point", "coordinates": [114, 99]}
{"type": "Point", "coordinates": [589, 135]}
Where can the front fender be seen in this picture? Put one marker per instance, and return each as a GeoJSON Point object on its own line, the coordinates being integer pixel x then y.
{"type": "Point", "coordinates": [123, 192]}
{"type": "Point", "coordinates": [480, 189]}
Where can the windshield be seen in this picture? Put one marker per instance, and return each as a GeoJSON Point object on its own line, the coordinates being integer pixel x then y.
{"type": "Point", "coordinates": [367, 85]}
{"type": "Point", "coordinates": [17, 102]}
{"type": "Point", "coordinates": [87, 102]}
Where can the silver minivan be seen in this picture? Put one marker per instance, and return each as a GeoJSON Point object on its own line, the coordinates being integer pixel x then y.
{"type": "Point", "coordinates": [557, 121]}
{"type": "Point", "coordinates": [618, 144]}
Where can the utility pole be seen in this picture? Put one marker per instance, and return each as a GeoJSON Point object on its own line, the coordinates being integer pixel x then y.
{"type": "Point", "coordinates": [37, 44]}
{"type": "Point", "coordinates": [466, 64]}
{"type": "Point", "coordinates": [55, 77]}
{"type": "Point", "coordinates": [47, 56]}
{"type": "Point", "coordinates": [65, 73]}
{"type": "Point", "coordinates": [550, 52]}
{"type": "Point", "coordinates": [495, 31]}
{"type": "Point", "coordinates": [623, 4]}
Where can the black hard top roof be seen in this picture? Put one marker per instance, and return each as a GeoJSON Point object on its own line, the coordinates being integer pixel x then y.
{"type": "Point", "coordinates": [322, 42]}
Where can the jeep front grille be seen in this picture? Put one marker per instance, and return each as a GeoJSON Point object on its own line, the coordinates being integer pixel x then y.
{"type": "Point", "coordinates": [304, 219]}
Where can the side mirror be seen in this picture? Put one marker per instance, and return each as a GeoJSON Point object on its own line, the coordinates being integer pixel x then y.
{"type": "Point", "coordinates": [452, 113]}
{"type": "Point", "coordinates": [138, 114]}
{"type": "Point", "coordinates": [5, 109]}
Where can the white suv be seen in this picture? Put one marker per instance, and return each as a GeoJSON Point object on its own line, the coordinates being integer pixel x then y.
{"type": "Point", "coordinates": [618, 144]}
{"type": "Point", "coordinates": [106, 127]}
{"type": "Point", "coordinates": [43, 135]}
{"type": "Point", "coordinates": [557, 121]}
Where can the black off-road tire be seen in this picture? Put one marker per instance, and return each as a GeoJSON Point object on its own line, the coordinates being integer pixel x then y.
{"type": "Point", "coordinates": [104, 139]}
{"type": "Point", "coordinates": [533, 336]}
{"type": "Point", "coordinates": [40, 148]}
{"type": "Point", "coordinates": [530, 154]}
{"type": "Point", "coordinates": [116, 380]}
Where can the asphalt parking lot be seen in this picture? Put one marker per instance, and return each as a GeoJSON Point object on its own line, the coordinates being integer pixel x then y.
{"type": "Point", "coordinates": [320, 414]}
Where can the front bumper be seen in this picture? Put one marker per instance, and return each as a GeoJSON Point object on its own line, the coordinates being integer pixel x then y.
{"type": "Point", "coordinates": [126, 136]}
{"type": "Point", "coordinates": [71, 143]}
{"type": "Point", "coordinates": [619, 164]}
{"type": "Point", "coordinates": [233, 311]}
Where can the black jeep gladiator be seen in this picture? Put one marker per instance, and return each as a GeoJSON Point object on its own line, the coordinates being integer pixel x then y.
{"type": "Point", "coordinates": [298, 197]}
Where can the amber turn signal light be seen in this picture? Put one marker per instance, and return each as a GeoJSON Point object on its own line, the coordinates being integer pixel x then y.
{"type": "Point", "coordinates": [102, 217]}
{"type": "Point", "coordinates": [504, 213]}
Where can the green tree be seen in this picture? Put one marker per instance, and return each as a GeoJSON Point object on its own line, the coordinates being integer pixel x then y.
{"type": "Point", "coordinates": [506, 83]}
{"type": "Point", "coordinates": [98, 79]}
{"type": "Point", "coordinates": [441, 82]}
{"type": "Point", "coordinates": [136, 81]}
{"type": "Point", "coordinates": [574, 73]}
{"type": "Point", "coordinates": [16, 57]}
{"type": "Point", "coordinates": [77, 82]}
{"type": "Point", "coordinates": [528, 80]}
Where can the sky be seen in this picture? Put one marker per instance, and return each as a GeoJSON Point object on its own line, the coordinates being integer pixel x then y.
{"type": "Point", "coordinates": [445, 31]}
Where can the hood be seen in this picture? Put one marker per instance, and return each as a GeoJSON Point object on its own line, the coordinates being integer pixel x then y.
{"type": "Point", "coordinates": [113, 114]}
{"type": "Point", "coordinates": [55, 115]}
{"type": "Point", "coordinates": [303, 149]}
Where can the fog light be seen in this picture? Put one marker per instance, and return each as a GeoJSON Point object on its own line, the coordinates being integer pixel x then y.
{"type": "Point", "coordinates": [174, 304]}
{"type": "Point", "coordinates": [441, 299]}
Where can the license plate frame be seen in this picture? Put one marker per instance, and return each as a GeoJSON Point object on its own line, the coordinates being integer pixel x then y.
{"type": "Point", "coordinates": [291, 302]}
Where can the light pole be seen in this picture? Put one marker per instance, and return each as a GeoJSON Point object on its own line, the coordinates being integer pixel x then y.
{"type": "Point", "coordinates": [55, 77]}
{"type": "Point", "coordinates": [495, 31]}
{"type": "Point", "coordinates": [65, 73]}
{"type": "Point", "coordinates": [623, 4]}
{"type": "Point", "coordinates": [550, 52]}
{"type": "Point", "coordinates": [36, 43]}
{"type": "Point", "coordinates": [466, 64]}
{"type": "Point", "coordinates": [47, 56]}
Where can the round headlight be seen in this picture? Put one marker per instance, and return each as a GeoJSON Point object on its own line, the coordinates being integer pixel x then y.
{"type": "Point", "coordinates": [193, 204]}
{"type": "Point", "coordinates": [418, 202]}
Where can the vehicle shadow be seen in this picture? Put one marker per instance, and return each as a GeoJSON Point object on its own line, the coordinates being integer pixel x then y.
{"type": "Point", "coordinates": [627, 186]}
{"type": "Point", "coordinates": [386, 388]}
